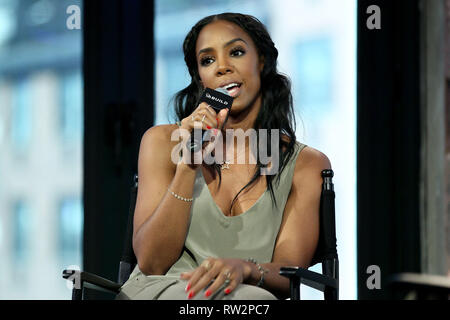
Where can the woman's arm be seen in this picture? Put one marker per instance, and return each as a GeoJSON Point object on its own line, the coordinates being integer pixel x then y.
{"type": "Point", "coordinates": [299, 231]}
{"type": "Point", "coordinates": [160, 219]}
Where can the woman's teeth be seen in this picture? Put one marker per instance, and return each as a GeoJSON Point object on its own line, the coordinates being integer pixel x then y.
{"type": "Point", "coordinates": [234, 91]}
{"type": "Point", "coordinates": [231, 85]}
{"type": "Point", "coordinates": [232, 88]}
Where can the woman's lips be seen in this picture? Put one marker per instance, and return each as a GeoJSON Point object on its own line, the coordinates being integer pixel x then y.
{"type": "Point", "coordinates": [235, 91]}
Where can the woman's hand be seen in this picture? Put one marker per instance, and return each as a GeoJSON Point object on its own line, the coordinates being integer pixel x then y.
{"type": "Point", "coordinates": [227, 272]}
{"type": "Point", "coordinates": [203, 118]}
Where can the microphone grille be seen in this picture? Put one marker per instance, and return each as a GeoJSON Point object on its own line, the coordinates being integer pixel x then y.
{"type": "Point", "coordinates": [222, 90]}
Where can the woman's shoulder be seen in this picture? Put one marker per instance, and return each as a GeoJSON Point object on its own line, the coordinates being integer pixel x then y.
{"type": "Point", "coordinates": [160, 134]}
{"type": "Point", "coordinates": [308, 156]}
{"type": "Point", "coordinates": [161, 131]}
{"type": "Point", "coordinates": [311, 159]}
{"type": "Point", "coordinates": [159, 138]}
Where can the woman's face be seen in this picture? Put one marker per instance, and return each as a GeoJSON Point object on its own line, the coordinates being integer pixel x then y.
{"type": "Point", "coordinates": [228, 58]}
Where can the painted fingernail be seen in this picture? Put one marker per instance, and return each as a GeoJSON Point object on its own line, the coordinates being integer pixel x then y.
{"type": "Point", "coordinates": [207, 293]}
{"type": "Point", "coordinates": [191, 294]}
{"type": "Point", "coordinates": [208, 127]}
{"type": "Point", "coordinates": [227, 291]}
{"type": "Point", "coordinates": [187, 287]}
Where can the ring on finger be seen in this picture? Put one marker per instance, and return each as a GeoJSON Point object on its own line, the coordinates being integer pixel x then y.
{"type": "Point", "coordinates": [204, 116]}
{"type": "Point", "coordinates": [227, 275]}
{"type": "Point", "coordinates": [205, 264]}
{"type": "Point", "coordinates": [192, 118]}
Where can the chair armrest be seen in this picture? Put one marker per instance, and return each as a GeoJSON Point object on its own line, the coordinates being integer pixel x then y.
{"type": "Point", "coordinates": [310, 278]}
{"type": "Point", "coordinates": [83, 279]}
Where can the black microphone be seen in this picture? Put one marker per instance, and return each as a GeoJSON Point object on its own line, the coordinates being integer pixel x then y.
{"type": "Point", "coordinates": [218, 99]}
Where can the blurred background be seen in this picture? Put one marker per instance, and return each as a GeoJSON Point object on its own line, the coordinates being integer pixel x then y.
{"type": "Point", "coordinates": [41, 136]}
{"type": "Point", "coordinates": [75, 102]}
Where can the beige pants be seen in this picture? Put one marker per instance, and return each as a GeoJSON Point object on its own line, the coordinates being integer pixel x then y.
{"type": "Point", "coordinates": [141, 287]}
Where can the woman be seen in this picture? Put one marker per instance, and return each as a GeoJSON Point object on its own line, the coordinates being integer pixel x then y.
{"type": "Point", "coordinates": [223, 232]}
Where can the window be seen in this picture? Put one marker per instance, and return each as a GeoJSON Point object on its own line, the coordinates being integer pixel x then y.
{"type": "Point", "coordinates": [21, 227]}
{"type": "Point", "coordinates": [20, 244]}
{"type": "Point", "coordinates": [41, 120]}
{"type": "Point", "coordinates": [70, 231]}
{"type": "Point", "coordinates": [173, 75]}
{"type": "Point", "coordinates": [312, 76]}
{"type": "Point", "coordinates": [71, 107]}
{"type": "Point", "coordinates": [21, 116]}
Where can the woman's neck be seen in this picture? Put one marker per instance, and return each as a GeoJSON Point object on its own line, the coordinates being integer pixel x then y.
{"type": "Point", "coordinates": [246, 119]}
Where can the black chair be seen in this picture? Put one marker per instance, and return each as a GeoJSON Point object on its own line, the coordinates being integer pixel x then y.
{"type": "Point", "coordinates": [326, 253]}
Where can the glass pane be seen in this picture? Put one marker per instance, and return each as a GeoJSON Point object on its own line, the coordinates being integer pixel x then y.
{"type": "Point", "coordinates": [21, 227]}
{"type": "Point", "coordinates": [316, 41]}
{"type": "Point", "coordinates": [70, 227]}
{"type": "Point", "coordinates": [21, 125]}
{"type": "Point", "coordinates": [71, 107]}
{"type": "Point", "coordinates": [41, 215]}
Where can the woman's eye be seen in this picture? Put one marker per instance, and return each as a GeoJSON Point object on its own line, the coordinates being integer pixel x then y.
{"type": "Point", "coordinates": [206, 61]}
{"type": "Point", "coordinates": [237, 52]}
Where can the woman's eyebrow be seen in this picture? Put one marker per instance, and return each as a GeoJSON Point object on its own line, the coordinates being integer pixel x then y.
{"type": "Point", "coordinates": [209, 49]}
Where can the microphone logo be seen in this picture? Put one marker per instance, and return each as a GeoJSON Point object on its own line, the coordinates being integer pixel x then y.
{"type": "Point", "coordinates": [218, 99]}
{"type": "Point", "coordinates": [207, 95]}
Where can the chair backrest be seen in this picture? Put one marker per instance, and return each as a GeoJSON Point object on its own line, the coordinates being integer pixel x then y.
{"type": "Point", "coordinates": [326, 247]}
{"type": "Point", "coordinates": [326, 252]}
{"type": "Point", "coordinates": [128, 261]}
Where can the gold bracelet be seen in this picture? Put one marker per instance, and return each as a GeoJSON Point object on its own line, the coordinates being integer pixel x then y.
{"type": "Point", "coordinates": [180, 197]}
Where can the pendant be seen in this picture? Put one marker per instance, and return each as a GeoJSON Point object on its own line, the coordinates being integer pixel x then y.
{"type": "Point", "coordinates": [225, 165]}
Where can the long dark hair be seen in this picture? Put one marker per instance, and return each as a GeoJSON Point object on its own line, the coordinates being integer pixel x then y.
{"type": "Point", "coordinates": [276, 107]}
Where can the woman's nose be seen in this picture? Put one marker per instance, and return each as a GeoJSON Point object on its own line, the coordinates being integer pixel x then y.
{"type": "Point", "coordinates": [223, 67]}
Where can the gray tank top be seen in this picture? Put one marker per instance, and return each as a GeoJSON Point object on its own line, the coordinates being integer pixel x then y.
{"type": "Point", "coordinates": [251, 234]}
